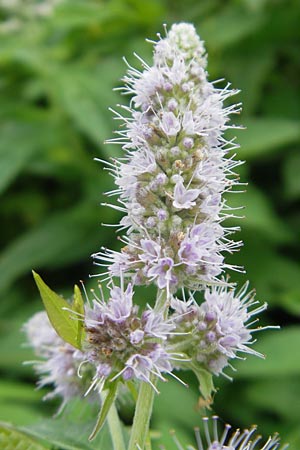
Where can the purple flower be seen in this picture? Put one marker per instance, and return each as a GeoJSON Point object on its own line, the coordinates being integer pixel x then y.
{"type": "Point", "coordinates": [60, 362]}
{"type": "Point", "coordinates": [162, 272]}
{"type": "Point", "coordinates": [120, 304]}
{"type": "Point", "coordinates": [122, 344]}
{"type": "Point", "coordinates": [175, 169]}
{"type": "Point", "coordinates": [170, 124]}
{"type": "Point", "coordinates": [151, 250]}
{"type": "Point", "coordinates": [230, 440]}
{"type": "Point", "coordinates": [219, 326]}
{"type": "Point", "coordinates": [184, 198]}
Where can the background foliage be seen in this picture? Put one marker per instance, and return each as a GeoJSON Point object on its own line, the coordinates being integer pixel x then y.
{"type": "Point", "coordinates": [59, 61]}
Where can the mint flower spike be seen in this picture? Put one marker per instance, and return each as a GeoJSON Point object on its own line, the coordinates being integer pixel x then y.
{"type": "Point", "coordinates": [235, 440]}
{"type": "Point", "coordinates": [58, 363]}
{"type": "Point", "coordinates": [217, 330]}
{"type": "Point", "coordinates": [176, 168]}
{"type": "Point", "coordinates": [122, 345]}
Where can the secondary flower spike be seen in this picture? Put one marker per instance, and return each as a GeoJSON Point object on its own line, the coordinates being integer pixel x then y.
{"type": "Point", "coordinates": [121, 344]}
{"type": "Point", "coordinates": [229, 439]}
{"type": "Point", "coordinates": [59, 361]}
{"type": "Point", "coordinates": [176, 169]}
{"type": "Point", "coordinates": [217, 330]}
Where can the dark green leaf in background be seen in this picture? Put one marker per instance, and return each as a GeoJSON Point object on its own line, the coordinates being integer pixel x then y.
{"type": "Point", "coordinates": [12, 439]}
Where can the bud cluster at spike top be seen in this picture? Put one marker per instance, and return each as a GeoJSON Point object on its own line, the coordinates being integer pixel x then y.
{"type": "Point", "coordinates": [176, 169]}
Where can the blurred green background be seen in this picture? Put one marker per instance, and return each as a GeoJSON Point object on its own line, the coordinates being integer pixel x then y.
{"type": "Point", "coordinates": [59, 61]}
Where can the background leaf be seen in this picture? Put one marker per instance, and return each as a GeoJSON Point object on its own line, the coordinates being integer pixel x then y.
{"type": "Point", "coordinates": [10, 439]}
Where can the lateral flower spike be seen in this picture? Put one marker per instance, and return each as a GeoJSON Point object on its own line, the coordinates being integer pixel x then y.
{"type": "Point", "coordinates": [229, 439]}
{"type": "Point", "coordinates": [58, 362]}
{"type": "Point", "coordinates": [218, 330]}
{"type": "Point", "coordinates": [176, 169]}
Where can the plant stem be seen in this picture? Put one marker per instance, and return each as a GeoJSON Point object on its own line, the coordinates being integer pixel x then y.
{"type": "Point", "coordinates": [144, 404]}
{"type": "Point", "coordinates": [115, 429]}
{"type": "Point", "coordinates": [143, 412]}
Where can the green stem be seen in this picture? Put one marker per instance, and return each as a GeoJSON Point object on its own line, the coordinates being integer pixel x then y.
{"type": "Point", "coordinates": [144, 405]}
{"type": "Point", "coordinates": [115, 428]}
{"type": "Point", "coordinates": [143, 412]}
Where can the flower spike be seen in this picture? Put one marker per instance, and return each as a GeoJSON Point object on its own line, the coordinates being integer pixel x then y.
{"type": "Point", "coordinates": [175, 170]}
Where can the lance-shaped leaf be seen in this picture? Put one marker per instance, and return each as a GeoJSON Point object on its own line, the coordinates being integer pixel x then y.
{"type": "Point", "coordinates": [78, 307]}
{"type": "Point", "coordinates": [58, 311]}
{"type": "Point", "coordinates": [206, 385]}
{"type": "Point", "coordinates": [11, 438]}
{"type": "Point", "coordinates": [109, 400]}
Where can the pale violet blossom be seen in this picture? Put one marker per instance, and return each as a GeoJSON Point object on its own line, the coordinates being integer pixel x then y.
{"type": "Point", "coordinates": [58, 362]}
{"type": "Point", "coordinates": [208, 437]}
{"type": "Point", "coordinates": [175, 169]}
{"type": "Point", "coordinates": [218, 328]}
{"type": "Point", "coordinates": [184, 198]}
{"type": "Point", "coordinates": [120, 344]}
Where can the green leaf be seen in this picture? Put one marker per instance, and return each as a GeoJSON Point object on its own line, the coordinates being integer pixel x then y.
{"type": "Point", "coordinates": [291, 170]}
{"type": "Point", "coordinates": [294, 438]}
{"type": "Point", "coordinates": [248, 72]}
{"type": "Point", "coordinates": [109, 400]}
{"type": "Point", "coordinates": [275, 277]}
{"type": "Point", "coordinates": [279, 361]}
{"type": "Point", "coordinates": [58, 311]}
{"type": "Point", "coordinates": [290, 299]}
{"type": "Point", "coordinates": [206, 384]}
{"type": "Point", "coordinates": [12, 439]}
{"type": "Point", "coordinates": [260, 215]}
{"type": "Point", "coordinates": [176, 408]}
{"type": "Point", "coordinates": [229, 26]}
{"type": "Point", "coordinates": [78, 306]}
{"type": "Point", "coordinates": [62, 232]}
{"type": "Point", "coordinates": [19, 142]}
{"type": "Point", "coordinates": [20, 403]}
{"type": "Point", "coordinates": [265, 136]}
{"type": "Point", "coordinates": [86, 100]}
{"type": "Point", "coordinates": [70, 431]}
{"type": "Point", "coordinates": [261, 394]}
{"type": "Point", "coordinates": [78, 14]}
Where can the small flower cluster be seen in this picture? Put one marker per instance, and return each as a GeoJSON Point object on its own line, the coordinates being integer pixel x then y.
{"type": "Point", "coordinates": [171, 183]}
{"type": "Point", "coordinates": [15, 13]}
{"type": "Point", "coordinates": [216, 330]}
{"type": "Point", "coordinates": [230, 440]}
{"type": "Point", "coordinates": [60, 362]}
{"type": "Point", "coordinates": [120, 343]}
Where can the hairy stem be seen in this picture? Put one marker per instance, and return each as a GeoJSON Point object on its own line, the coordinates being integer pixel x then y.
{"type": "Point", "coordinates": [115, 429]}
{"type": "Point", "coordinates": [144, 405]}
{"type": "Point", "coordinates": [143, 412]}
